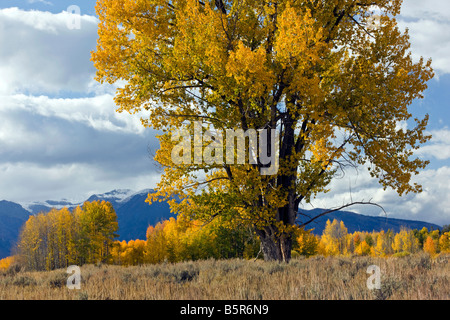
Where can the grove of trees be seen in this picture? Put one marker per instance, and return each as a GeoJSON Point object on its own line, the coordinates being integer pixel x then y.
{"type": "Point", "coordinates": [175, 241]}
{"type": "Point", "coordinates": [87, 235]}
{"type": "Point", "coordinates": [61, 238]}
{"type": "Point", "coordinates": [335, 240]}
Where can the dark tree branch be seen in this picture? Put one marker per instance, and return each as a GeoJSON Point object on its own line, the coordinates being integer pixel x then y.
{"type": "Point", "coordinates": [221, 6]}
{"type": "Point", "coordinates": [194, 116]}
{"type": "Point", "coordinates": [361, 26]}
{"type": "Point", "coordinates": [340, 208]}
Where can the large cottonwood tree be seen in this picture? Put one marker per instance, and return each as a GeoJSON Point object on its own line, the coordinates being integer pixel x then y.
{"type": "Point", "coordinates": [333, 77]}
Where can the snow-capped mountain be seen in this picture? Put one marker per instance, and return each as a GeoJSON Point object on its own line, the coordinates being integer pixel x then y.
{"type": "Point", "coordinates": [114, 196]}
{"type": "Point", "coordinates": [133, 213]}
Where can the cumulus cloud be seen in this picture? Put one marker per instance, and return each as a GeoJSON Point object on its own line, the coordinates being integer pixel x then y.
{"type": "Point", "coordinates": [40, 54]}
{"type": "Point", "coordinates": [432, 205]}
{"type": "Point", "coordinates": [59, 133]}
{"type": "Point", "coordinates": [429, 28]}
{"type": "Point", "coordinates": [24, 182]}
{"type": "Point", "coordinates": [439, 146]}
{"type": "Point", "coordinates": [97, 112]}
{"type": "Point", "coordinates": [47, 141]}
{"type": "Point", "coordinates": [432, 9]}
{"type": "Point", "coordinates": [62, 131]}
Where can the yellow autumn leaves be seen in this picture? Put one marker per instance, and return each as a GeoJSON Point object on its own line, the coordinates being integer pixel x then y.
{"type": "Point", "coordinates": [308, 69]}
{"type": "Point", "coordinates": [61, 238]}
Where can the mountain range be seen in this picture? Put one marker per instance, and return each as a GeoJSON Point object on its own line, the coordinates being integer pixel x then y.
{"type": "Point", "coordinates": [358, 222]}
{"type": "Point", "coordinates": [134, 215]}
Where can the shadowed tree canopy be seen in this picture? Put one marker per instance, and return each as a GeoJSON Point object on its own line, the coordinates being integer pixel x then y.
{"type": "Point", "coordinates": [334, 78]}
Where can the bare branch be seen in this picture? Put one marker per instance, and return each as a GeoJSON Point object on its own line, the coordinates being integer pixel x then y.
{"type": "Point", "coordinates": [361, 26]}
{"type": "Point", "coordinates": [340, 208]}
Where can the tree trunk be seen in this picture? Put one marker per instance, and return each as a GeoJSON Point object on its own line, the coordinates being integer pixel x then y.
{"type": "Point", "coordinates": [275, 248]}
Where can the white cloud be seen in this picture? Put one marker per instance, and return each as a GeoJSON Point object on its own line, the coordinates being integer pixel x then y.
{"type": "Point", "coordinates": [40, 54]}
{"type": "Point", "coordinates": [60, 135]}
{"type": "Point", "coordinates": [74, 146]}
{"type": "Point", "coordinates": [97, 112]}
{"type": "Point", "coordinates": [433, 9]}
{"type": "Point", "coordinates": [432, 205]}
{"type": "Point", "coordinates": [429, 28]}
{"type": "Point", "coordinates": [24, 182]}
{"type": "Point", "coordinates": [41, 1]}
{"type": "Point", "coordinates": [438, 147]}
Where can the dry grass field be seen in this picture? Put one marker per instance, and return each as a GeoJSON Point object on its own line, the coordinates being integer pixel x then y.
{"type": "Point", "coordinates": [416, 277]}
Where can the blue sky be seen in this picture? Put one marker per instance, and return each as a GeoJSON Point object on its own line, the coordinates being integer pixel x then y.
{"type": "Point", "coordinates": [60, 136]}
{"type": "Point", "coordinates": [55, 6]}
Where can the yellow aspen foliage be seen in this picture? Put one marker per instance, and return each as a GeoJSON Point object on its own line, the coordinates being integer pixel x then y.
{"type": "Point", "coordinates": [435, 234]}
{"type": "Point", "coordinates": [397, 245]}
{"type": "Point", "coordinates": [444, 242]}
{"type": "Point", "coordinates": [156, 243]}
{"type": "Point", "coordinates": [333, 238]}
{"type": "Point", "coordinates": [173, 232]}
{"type": "Point", "coordinates": [5, 263]}
{"type": "Point", "coordinates": [116, 251]}
{"type": "Point", "coordinates": [349, 244]}
{"type": "Point", "coordinates": [429, 246]}
{"type": "Point", "coordinates": [129, 253]}
{"type": "Point", "coordinates": [306, 243]}
{"type": "Point", "coordinates": [61, 238]}
{"type": "Point", "coordinates": [363, 249]}
{"type": "Point", "coordinates": [405, 241]}
{"type": "Point", "coordinates": [356, 240]}
{"type": "Point", "coordinates": [333, 86]}
{"type": "Point", "coordinates": [177, 240]}
{"type": "Point", "coordinates": [98, 227]}
{"type": "Point", "coordinates": [383, 247]}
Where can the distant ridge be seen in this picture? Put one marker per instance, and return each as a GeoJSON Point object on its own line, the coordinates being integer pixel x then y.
{"type": "Point", "coordinates": [12, 217]}
{"type": "Point", "coordinates": [358, 222]}
{"type": "Point", "coordinates": [134, 215]}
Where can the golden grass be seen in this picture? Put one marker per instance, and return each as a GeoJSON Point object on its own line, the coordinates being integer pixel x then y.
{"type": "Point", "coordinates": [416, 277]}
